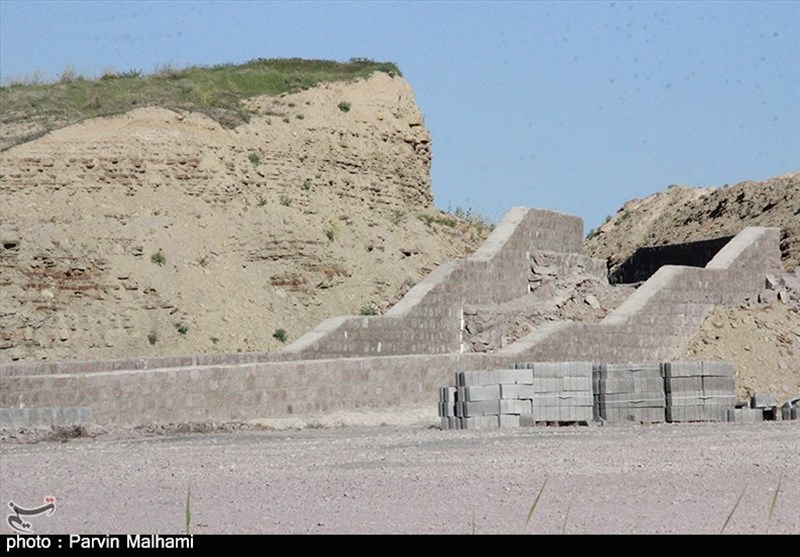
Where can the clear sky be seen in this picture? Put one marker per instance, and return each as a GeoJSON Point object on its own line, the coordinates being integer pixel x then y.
{"type": "Point", "coordinates": [571, 106]}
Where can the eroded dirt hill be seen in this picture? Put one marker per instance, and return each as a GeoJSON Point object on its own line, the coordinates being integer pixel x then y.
{"type": "Point", "coordinates": [160, 233]}
{"type": "Point", "coordinates": [762, 336]}
{"type": "Point", "coordinates": [683, 214]}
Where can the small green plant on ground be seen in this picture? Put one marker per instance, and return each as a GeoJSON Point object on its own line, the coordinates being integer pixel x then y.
{"type": "Point", "coordinates": [429, 219]}
{"type": "Point", "coordinates": [286, 120]}
{"type": "Point", "coordinates": [152, 338]}
{"type": "Point", "coordinates": [182, 327]}
{"type": "Point", "coordinates": [331, 231]}
{"type": "Point", "coordinates": [733, 510]}
{"type": "Point", "coordinates": [398, 216]}
{"type": "Point", "coordinates": [188, 511]}
{"type": "Point", "coordinates": [368, 309]}
{"type": "Point", "coordinates": [159, 258]}
{"type": "Point", "coordinates": [299, 116]}
{"type": "Point", "coordinates": [535, 502]}
{"type": "Point", "coordinates": [285, 200]}
{"type": "Point", "coordinates": [474, 219]}
{"type": "Point", "coordinates": [262, 201]}
{"type": "Point", "coordinates": [307, 185]}
{"type": "Point", "coordinates": [774, 502]}
{"type": "Point", "coordinates": [344, 106]}
{"type": "Point", "coordinates": [281, 335]}
{"type": "Point", "coordinates": [255, 158]}
{"type": "Point", "coordinates": [214, 340]}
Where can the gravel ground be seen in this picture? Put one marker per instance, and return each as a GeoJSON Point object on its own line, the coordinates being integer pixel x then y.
{"type": "Point", "coordinates": [669, 478]}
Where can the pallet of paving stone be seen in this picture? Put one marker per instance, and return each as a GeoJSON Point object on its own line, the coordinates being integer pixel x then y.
{"type": "Point", "coordinates": [699, 390]}
{"type": "Point", "coordinates": [744, 415]}
{"type": "Point", "coordinates": [630, 392]}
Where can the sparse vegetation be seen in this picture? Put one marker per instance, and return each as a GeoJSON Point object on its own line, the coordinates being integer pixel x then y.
{"type": "Point", "coordinates": [152, 338]}
{"type": "Point", "coordinates": [159, 258]}
{"type": "Point", "coordinates": [285, 200]}
{"type": "Point", "coordinates": [217, 91]}
{"type": "Point", "coordinates": [535, 503]}
{"type": "Point", "coordinates": [480, 222]}
{"type": "Point", "coordinates": [214, 340]}
{"type": "Point", "coordinates": [368, 309]}
{"type": "Point", "coordinates": [255, 158]}
{"type": "Point", "coordinates": [182, 327]}
{"type": "Point", "coordinates": [299, 116]}
{"type": "Point", "coordinates": [595, 231]}
{"type": "Point", "coordinates": [307, 185]}
{"type": "Point", "coordinates": [286, 120]}
{"type": "Point", "coordinates": [443, 220]}
{"type": "Point", "coordinates": [281, 335]}
{"type": "Point", "coordinates": [344, 106]}
{"type": "Point", "coordinates": [331, 231]}
{"type": "Point", "coordinates": [398, 216]}
{"type": "Point", "coordinates": [188, 511]}
{"type": "Point", "coordinates": [733, 510]}
{"type": "Point", "coordinates": [261, 201]}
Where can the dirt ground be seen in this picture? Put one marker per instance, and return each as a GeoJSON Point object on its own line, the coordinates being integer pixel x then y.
{"type": "Point", "coordinates": [415, 479]}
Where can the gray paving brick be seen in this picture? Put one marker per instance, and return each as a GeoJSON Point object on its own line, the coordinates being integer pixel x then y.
{"type": "Point", "coordinates": [480, 408]}
{"type": "Point", "coordinates": [510, 391]}
{"type": "Point", "coordinates": [515, 406]}
{"type": "Point", "coordinates": [477, 393]}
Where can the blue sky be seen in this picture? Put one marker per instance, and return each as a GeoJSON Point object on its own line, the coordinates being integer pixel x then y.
{"type": "Point", "coordinates": [571, 106]}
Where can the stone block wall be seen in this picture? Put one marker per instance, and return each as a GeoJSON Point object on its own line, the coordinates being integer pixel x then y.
{"type": "Point", "coordinates": [226, 392]}
{"type": "Point", "coordinates": [660, 318]}
{"type": "Point", "coordinates": [354, 363]}
{"type": "Point", "coordinates": [428, 320]}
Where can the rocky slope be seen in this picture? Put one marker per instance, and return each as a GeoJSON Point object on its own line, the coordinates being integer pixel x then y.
{"type": "Point", "coordinates": [683, 214]}
{"type": "Point", "coordinates": [158, 232]}
{"type": "Point", "coordinates": [762, 337]}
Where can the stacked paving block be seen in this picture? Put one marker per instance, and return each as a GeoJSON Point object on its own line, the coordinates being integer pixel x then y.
{"type": "Point", "coordinates": [562, 393]}
{"type": "Point", "coordinates": [743, 415]}
{"type": "Point", "coordinates": [630, 392]}
{"type": "Point", "coordinates": [492, 398]}
{"type": "Point", "coordinates": [791, 410]}
{"type": "Point", "coordinates": [523, 396]}
{"type": "Point", "coordinates": [699, 391]}
{"type": "Point", "coordinates": [579, 392]}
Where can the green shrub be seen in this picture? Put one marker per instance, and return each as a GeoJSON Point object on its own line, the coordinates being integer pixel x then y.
{"type": "Point", "coordinates": [255, 158]}
{"type": "Point", "coordinates": [331, 231]}
{"type": "Point", "coordinates": [368, 309]}
{"type": "Point", "coordinates": [285, 200]}
{"type": "Point", "coordinates": [152, 338]}
{"type": "Point", "coordinates": [159, 258]}
{"type": "Point", "coordinates": [344, 106]}
{"type": "Point", "coordinates": [281, 335]}
{"type": "Point", "coordinates": [307, 185]}
{"type": "Point", "coordinates": [398, 216]}
{"type": "Point", "coordinates": [182, 327]}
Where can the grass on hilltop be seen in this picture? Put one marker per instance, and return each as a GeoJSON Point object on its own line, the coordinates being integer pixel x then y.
{"type": "Point", "coordinates": [217, 91]}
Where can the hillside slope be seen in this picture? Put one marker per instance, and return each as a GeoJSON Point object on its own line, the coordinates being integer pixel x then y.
{"type": "Point", "coordinates": [160, 232]}
{"type": "Point", "coordinates": [682, 214]}
{"type": "Point", "coordinates": [762, 337]}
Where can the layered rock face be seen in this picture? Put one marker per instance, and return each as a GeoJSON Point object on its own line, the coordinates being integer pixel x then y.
{"type": "Point", "coordinates": [158, 232]}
